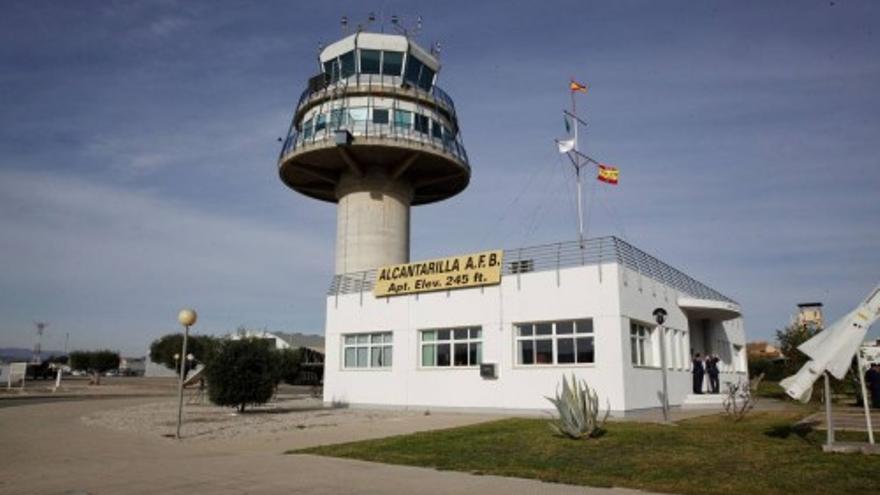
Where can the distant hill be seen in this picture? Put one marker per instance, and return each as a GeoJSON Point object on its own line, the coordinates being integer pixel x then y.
{"type": "Point", "coordinates": [9, 354]}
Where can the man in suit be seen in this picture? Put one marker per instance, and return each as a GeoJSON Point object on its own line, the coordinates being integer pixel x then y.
{"type": "Point", "coordinates": [698, 372]}
{"type": "Point", "coordinates": [712, 371]}
{"type": "Point", "coordinates": [872, 379]}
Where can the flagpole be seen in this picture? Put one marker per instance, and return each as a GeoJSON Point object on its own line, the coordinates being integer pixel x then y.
{"type": "Point", "coordinates": [577, 171]}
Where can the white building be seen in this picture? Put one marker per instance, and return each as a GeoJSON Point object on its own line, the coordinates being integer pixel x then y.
{"type": "Point", "coordinates": [558, 310]}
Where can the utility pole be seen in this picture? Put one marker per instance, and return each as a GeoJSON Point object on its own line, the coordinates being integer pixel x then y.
{"type": "Point", "coordinates": [41, 327]}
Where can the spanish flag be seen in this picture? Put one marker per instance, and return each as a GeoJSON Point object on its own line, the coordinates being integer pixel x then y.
{"type": "Point", "coordinates": [608, 174]}
{"type": "Point", "coordinates": [576, 86]}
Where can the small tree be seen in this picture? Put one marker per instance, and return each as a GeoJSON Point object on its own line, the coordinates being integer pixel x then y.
{"type": "Point", "coordinates": [287, 368]}
{"type": "Point", "coordinates": [789, 339]}
{"type": "Point", "coordinates": [95, 362]}
{"type": "Point", "coordinates": [241, 373]}
{"type": "Point", "coordinates": [163, 349]}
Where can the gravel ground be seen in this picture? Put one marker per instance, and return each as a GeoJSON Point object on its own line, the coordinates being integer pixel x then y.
{"type": "Point", "coordinates": [206, 422]}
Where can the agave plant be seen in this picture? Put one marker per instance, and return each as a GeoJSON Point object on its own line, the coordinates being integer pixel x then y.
{"type": "Point", "coordinates": [578, 407]}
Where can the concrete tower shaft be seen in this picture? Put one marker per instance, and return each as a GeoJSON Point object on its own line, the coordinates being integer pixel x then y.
{"type": "Point", "coordinates": [373, 133]}
{"type": "Point", "coordinates": [372, 222]}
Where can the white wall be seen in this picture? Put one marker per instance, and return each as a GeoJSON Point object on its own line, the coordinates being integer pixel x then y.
{"type": "Point", "coordinates": [608, 294]}
{"type": "Point", "coordinates": [639, 296]}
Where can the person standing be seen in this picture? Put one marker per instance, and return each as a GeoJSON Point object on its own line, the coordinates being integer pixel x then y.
{"type": "Point", "coordinates": [712, 371]}
{"type": "Point", "coordinates": [872, 379]}
{"type": "Point", "coordinates": [698, 371]}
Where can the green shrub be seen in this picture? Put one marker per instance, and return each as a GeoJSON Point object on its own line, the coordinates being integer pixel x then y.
{"type": "Point", "coordinates": [94, 362]}
{"type": "Point", "coordinates": [242, 373]}
{"type": "Point", "coordinates": [163, 349]}
{"type": "Point", "coordinates": [287, 367]}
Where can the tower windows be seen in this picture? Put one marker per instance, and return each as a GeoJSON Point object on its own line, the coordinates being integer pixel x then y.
{"type": "Point", "coordinates": [392, 63]}
{"type": "Point", "coordinates": [370, 62]}
{"type": "Point", "coordinates": [421, 124]}
{"type": "Point", "coordinates": [413, 68]}
{"type": "Point", "coordinates": [380, 116]}
{"type": "Point", "coordinates": [402, 119]}
{"type": "Point", "coordinates": [346, 64]}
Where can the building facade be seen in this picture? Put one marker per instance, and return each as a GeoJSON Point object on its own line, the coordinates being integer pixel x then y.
{"type": "Point", "coordinates": [558, 310]}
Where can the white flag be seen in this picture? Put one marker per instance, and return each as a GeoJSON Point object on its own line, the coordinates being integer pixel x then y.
{"type": "Point", "coordinates": [565, 145]}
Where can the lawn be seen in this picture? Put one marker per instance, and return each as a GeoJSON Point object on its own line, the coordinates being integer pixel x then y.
{"type": "Point", "coordinates": [763, 454]}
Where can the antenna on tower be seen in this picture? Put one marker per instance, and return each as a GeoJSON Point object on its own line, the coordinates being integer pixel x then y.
{"type": "Point", "coordinates": [398, 26]}
{"type": "Point", "coordinates": [344, 24]}
{"type": "Point", "coordinates": [435, 49]}
{"type": "Point", "coordinates": [41, 327]}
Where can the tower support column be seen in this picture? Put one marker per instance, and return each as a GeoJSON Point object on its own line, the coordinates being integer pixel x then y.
{"type": "Point", "coordinates": [372, 221]}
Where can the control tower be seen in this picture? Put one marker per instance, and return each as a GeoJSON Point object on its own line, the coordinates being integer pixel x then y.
{"type": "Point", "coordinates": [373, 133]}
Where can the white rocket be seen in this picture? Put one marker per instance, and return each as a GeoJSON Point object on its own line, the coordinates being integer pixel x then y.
{"type": "Point", "coordinates": [832, 349]}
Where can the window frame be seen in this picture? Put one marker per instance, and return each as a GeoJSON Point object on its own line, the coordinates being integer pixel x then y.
{"type": "Point", "coordinates": [451, 341]}
{"type": "Point", "coordinates": [554, 338]}
{"type": "Point", "coordinates": [369, 345]}
{"type": "Point", "coordinates": [648, 340]}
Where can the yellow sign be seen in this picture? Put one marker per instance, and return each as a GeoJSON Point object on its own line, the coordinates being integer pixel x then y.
{"type": "Point", "coordinates": [457, 272]}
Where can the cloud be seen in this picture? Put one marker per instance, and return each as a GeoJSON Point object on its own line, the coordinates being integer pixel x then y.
{"type": "Point", "coordinates": [115, 264]}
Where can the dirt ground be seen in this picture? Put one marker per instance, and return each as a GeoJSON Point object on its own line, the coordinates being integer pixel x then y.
{"type": "Point", "coordinates": [101, 443]}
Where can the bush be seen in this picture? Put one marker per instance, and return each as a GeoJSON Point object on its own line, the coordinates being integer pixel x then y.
{"type": "Point", "coordinates": [287, 367]}
{"type": "Point", "coordinates": [94, 362]}
{"type": "Point", "coordinates": [772, 369]}
{"type": "Point", "coordinates": [163, 349]}
{"type": "Point", "coordinates": [242, 373]}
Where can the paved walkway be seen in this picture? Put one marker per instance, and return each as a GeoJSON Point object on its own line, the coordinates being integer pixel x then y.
{"type": "Point", "coordinates": [47, 449]}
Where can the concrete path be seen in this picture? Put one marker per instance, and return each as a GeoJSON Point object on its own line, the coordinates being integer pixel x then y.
{"type": "Point", "coordinates": [47, 449]}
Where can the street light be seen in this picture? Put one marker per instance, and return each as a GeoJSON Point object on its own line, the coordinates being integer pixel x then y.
{"type": "Point", "coordinates": [660, 318]}
{"type": "Point", "coordinates": [187, 317]}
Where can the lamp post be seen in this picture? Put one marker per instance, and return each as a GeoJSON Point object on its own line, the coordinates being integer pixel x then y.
{"type": "Point", "coordinates": [660, 318]}
{"type": "Point", "coordinates": [187, 317]}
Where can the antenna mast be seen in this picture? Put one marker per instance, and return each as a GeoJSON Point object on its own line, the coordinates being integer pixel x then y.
{"type": "Point", "coordinates": [41, 327]}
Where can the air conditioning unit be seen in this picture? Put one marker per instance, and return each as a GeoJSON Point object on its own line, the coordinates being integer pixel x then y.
{"type": "Point", "coordinates": [489, 371]}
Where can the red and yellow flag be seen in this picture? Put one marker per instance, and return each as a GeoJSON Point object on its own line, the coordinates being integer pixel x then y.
{"type": "Point", "coordinates": [576, 86]}
{"type": "Point", "coordinates": [608, 174]}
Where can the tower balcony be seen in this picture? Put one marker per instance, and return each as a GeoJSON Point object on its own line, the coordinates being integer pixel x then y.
{"type": "Point", "coordinates": [320, 91]}
{"type": "Point", "coordinates": [414, 140]}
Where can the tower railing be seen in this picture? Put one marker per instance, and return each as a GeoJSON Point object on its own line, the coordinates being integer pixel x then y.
{"type": "Point", "coordinates": [356, 120]}
{"type": "Point", "coordinates": [560, 255]}
{"type": "Point", "coordinates": [369, 83]}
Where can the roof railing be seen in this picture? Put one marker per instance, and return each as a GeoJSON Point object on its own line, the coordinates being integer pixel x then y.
{"type": "Point", "coordinates": [559, 255]}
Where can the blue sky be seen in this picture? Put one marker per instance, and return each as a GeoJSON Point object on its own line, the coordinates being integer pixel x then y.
{"type": "Point", "coordinates": [138, 152]}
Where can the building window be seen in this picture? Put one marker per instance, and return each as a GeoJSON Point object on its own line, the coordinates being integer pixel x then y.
{"type": "Point", "coordinates": [392, 63]}
{"type": "Point", "coordinates": [370, 61]}
{"type": "Point", "coordinates": [436, 129]}
{"type": "Point", "coordinates": [413, 68]}
{"type": "Point", "coordinates": [307, 129]}
{"type": "Point", "coordinates": [559, 342]}
{"type": "Point", "coordinates": [346, 64]}
{"type": "Point", "coordinates": [642, 344]}
{"type": "Point", "coordinates": [421, 123]}
{"type": "Point", "coordinates": [336, 118]}
{"type": "Point", "coordinates": [331, 69]}
{"type": "Point", "coordinates": [320, 122]}
{"type": "Point", "coordinates": [426, 78]}
{"type": "Point", "coordinates": [452, 347]}
{"type": "Point", "coordinates": [380, 116]}
{"type": "Point", "coordinates": [367, 350]}
{"type": "Point", "coordinates": [402, 119]}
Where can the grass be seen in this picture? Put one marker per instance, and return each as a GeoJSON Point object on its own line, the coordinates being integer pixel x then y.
{"type": "Point", "coordinates": [764, 454]}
